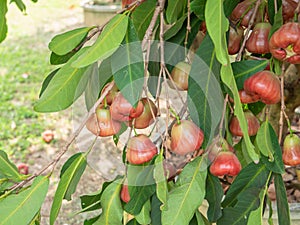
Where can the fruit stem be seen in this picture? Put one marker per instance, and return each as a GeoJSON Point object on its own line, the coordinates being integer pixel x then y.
{"type": "Point", "coordinates": [175, 115]}
{"type": "Point", "coordinates": [134, 131]}
{"type": "Point", "coordinates": [105, 103]}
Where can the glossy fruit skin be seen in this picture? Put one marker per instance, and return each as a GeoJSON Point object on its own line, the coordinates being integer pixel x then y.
{"type": "Point", "coordinates": [217, 145]}
{"type": "Point", "coordinates": [23, 168]}
{"type": "Point", "coordinates": [235, 38]}
{"type": "Point", "coordinates": [266, 85]}
{"type": "Point", "coordinates": [291, 150]}
{"type": "Point", "coordinates": [169, 169]}
{"type": "Point", "coordinates": [122, 110]}
{"type": "Point", "coordinates": [246, 98]}
{"type": "Point", "coordinates": [180, 75]}
{"type": "Point", "coordinates": [252, 122]}
{"type": "Point", "coordinates": [112, 93]}
{"type": "Point", "coordinates": [124, 193]}
{"type": "Point", "coordinates": [226, 163]}
{"type": "Point", "coordinates": [258, 41]}
{"type": "Point", "coordinates": [186, 137]}
{"type": "Point", "coordinates": [101, 123]}
{"type": "Point", "coordinates": [285, 43]}
{"type": "Point", "coordinates": [146, 118]}
{"type": "Point", "coordinates": [245, 10]}
{"type": "Point", "coordinates": [140, 149]}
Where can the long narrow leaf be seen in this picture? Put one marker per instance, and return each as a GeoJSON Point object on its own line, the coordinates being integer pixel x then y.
{"type": "Point", "coordinates": [3, 25]}
{"type": "Point", "coordinates": [7, 168]}
{"type": "Point", "coordinates": [72, 173]}
{"type": "Point", "coordinates": [21, 208]}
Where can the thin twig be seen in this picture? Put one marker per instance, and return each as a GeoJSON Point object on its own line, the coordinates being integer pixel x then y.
{"type": "Point", "coordinates": [239, 55]}
{"type": "Point", "coordinates": [223, 115]}
{"type": "Point", "coordinates": [68, 144]}
{"type": "Point", "coordinates": [188, 26]}
{"type": "Point", "coordinates": [281, 121]}
{"type": "Point", "coordinates": [150, 28]}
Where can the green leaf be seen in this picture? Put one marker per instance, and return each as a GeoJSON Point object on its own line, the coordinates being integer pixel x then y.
{"type": "Point", "coordinates": [22, 207]}
{"type": "Point", "coordinates": [238, 215]}
{"type": "Point", "coordinates": [64, 43]}
{"type": "Point", "coordinates": [60, 59]}
{"type": "Point", "coordinates": [93, 86]}
{"type": "Point", "coordinates": [266, 140]}
{"type": "Point", "coordinates": [281, 200]}
{"type": "Point", "coordinates": [142, 16]}
{"type": "Point", "coordinates": [271, 10]}
{"type": "Point", "coordinates": [3, 25]}
{"type": "Point", "coordinates": [107, 43]}
{"type": "Point", "coordinates": [174, 29]}
{"type": "Point", "coordinates": [128, 66]}
{"type": "Point", "coordinates": [255, 216]}
{"type": "Point", "coordinates": [278, 21]}
{"type": "Point", "coordinates": [47, 81]}
{"type": "Point", "coordinates": [199, 219]}
{"type": "Point", "coordinates": [133, 222]}
{"type": "Point", "coordinates": [217, 25]}
{"type": "Point", "coordinates": [253, 176]}
{"type": "Point", "coordinates": [205, 97]}
{"type": "Point", "coordinates": [175, 10]}
{"type": "Point", "coordinates": [198, 7]}
{"type": "Point", "coordinates": [229, 81]}
{"type": "Point", "coordinates": [174, 47]}
{"type": "Point", "coordinates": [64, 88]}
{"type": "Point", "coordinates": [229, 6]}
{"type": "Point", "coordinates": [161, 180]}
{"type": "Point", "coordinates": [20, 4]}
{"type": "Point", "coordinates": [144, 216]}
{"type": "Point", "coordinates": [190, 183]}
{"type": "Point", "coordinates": [67, 184]}
{"type": "Point", "coordinates": [91, 221]}
{"type": "Point", "coordinates": [214, 197]}
{"type": "Point", "coordinates": [155, 210]}
{"type": "Point", "coordinates": [244, 69]}
{"type": "Point", "coordinates": [112, 211]}
{"type": "Point", "coordinates": [141, 187]}
{"type": "Point", "coordinates": [8, 169]}
{"type": "Point", "coordinates": [92, 201]}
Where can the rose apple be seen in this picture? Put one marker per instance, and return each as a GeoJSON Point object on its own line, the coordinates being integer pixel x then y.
{"type": "Point", "coordinates": [258, 41]}
{"type": "Point", "coordinates": [291, 150]}
{"type": "Point", "coordinates": [101, 123]}
{"type": "Point", "coordinates": [235, 38]}
{"type": "Point", "coordinates": [186, 137]}
{"type": "Point", "coordinates": [146, 118]}
{"type": "Point", "coordinates": [218, 144]}
{"type": "Point", "coordinates": [122, 110]}
{"type": "Point", "coordinates": [23, 168]}
{"type": "Point", "coordinates": [252, 122]}
{"type": "Point", "coordinates": [140, 149]}
{"type": "Point", "coordinates": [288, 9]}
{"type": "Point", "coordinates": [47, 136]}
{"type": "Point", "coordinates": [226, 163]}
{"type": "Point", "coordinates": [266, 85]}
{"type": "Point", "coordinates": [112, 93]}
{"type": "Point", "coordinates": [124, 194]}
{"type": "Point", "coordinates": [180, 75]}
{"type": "Point", "coordinates": [285, 43]}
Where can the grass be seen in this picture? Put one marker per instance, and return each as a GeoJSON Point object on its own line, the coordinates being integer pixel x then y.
{"type": "Point", "coordinates": [24, 63]}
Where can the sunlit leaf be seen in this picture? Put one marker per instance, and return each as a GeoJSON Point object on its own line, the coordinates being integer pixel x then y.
{"type": "Point", "coordinates": [217, 25]}
{"type": "Point", "coordinates": [161, 180]}
{"type": "Point", "coordinates": [267, 142]}
{"type": "Point", "coordinates": [67, 182]}
{"type": "Point", "coordinates": [182, 203]}
{"type": "Point", "coordinates": [112, 211]}
{"type": "Point", "coordinates": [3, 25]}
{"type": "Point", "coordinates": [229, 81]}
{"type": "Point", "coordinates": [144, 216]}
{"type": "Point", "coordinates": [47, 81]}
{"type": "Point", "coordinates": [64, 88]}
{"type": "Point", "coordinates": [63, 43]}
{"type": "Point", "coordinates": [22, 207]}
{"type": "Point", "coordinates": [8, 169]}
{"type": "Point", "coordinates": [106, 44]}
{"type": "Point", "coordinates": [93, 86]}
